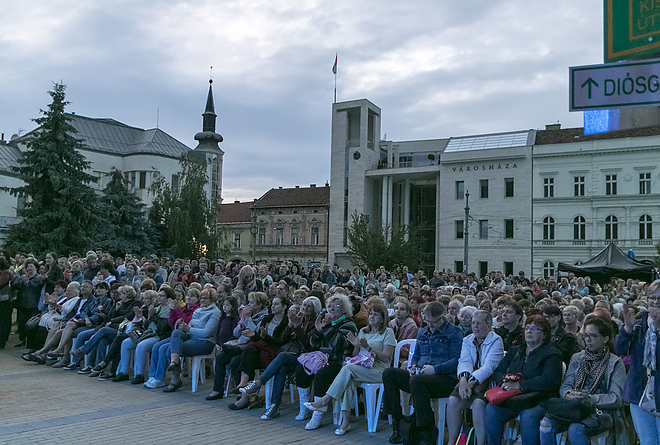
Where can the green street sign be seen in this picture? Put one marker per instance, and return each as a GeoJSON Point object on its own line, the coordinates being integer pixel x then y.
{"type": "Point", "coordinates": [632, 29]}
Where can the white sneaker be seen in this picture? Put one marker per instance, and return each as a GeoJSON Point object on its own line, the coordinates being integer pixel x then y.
{"type": "Point", "coordinates": [315, 421]}
{"type": "Point", "coordinates": [156, 384]}
{"type": "Point", "coordinates": [148, 382]}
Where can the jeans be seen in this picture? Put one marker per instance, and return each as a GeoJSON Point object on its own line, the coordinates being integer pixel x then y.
{"type": "Point", "coordinates": [530, 423]}
{"type": "Point", "coordinates": [422, 388]}
{"type": "Point", "coordinates": [279, 368]}
{"type": "Point", "coordinates": [141, 353]}
{"type": "Point", "coordinates": [156, 368]}
{"type": "Point", "coordinates": [105, 332]}
{"type": "Point", "coordinates": [126, 347]}
{"type": "Point", "coordinates": [183, 344]}
{"type": "Point", "coordinates": [223, 359]}
{"type": "Point", "coordinates": [646, 425]}
{"type": "Point", "coordinates": [577, 433]}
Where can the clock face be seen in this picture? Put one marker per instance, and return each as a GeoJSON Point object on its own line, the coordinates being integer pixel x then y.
{"type": "Point", "coordinates": [356, 155]}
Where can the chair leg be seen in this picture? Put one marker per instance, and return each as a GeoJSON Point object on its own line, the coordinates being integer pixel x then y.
{"type": "Point", "coordinates": [195, 373]}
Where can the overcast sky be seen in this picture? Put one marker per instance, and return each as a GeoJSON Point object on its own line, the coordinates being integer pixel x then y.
{"type": "Point", "coordinates": [436, 68]}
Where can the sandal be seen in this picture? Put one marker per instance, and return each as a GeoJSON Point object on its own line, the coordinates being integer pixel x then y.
{"type": "Point", "coordinates": [174, 367]}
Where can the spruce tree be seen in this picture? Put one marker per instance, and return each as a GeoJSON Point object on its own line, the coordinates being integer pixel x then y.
{"type": "Point", "coordinates": [125, 227]}
{"type": "Point", "coordinates": [60, 206]}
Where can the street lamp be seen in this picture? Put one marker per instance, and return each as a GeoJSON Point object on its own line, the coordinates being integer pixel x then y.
{"type": "Point", "coordinates": [254, 230]}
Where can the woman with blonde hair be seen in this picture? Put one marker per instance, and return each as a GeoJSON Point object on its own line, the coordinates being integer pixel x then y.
{"type": "Point", "coordinates": [247, 282]}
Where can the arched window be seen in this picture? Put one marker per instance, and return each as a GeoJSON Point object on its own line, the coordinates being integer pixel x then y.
{"type": "Point", "coordinates": [579, 228]}
{"type": "Point", "coordinates": [295, 232]}
{"type": "Point", "coordinates": [278, 234]}
{"type": "Point", "coordinates": [314, 232]}
{"type": "Point", "coordinates": [611, 228]}
{"type": "Point", "coordinates": [548, 269]}
{"type": "Point", "coordinates": [645, 227]}
{"type": "Point", "coordinates": [548, 228]}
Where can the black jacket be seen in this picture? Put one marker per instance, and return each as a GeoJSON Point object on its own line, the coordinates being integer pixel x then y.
{"type": "Point", "coordinates": [274, 340]}
{"type": "Point", "coordinates": [510, 339]}
{"type": "Point", "coordinates": [566, 343]}
{"type": "Point", "coordinates": [541, 369]}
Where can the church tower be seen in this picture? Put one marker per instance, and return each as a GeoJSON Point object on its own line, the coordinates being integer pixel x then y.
{"type": "Point", "coordinates": [208, 151]}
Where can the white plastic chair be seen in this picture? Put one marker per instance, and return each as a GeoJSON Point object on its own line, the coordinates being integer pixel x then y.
{"type": "Point", "coordinates": [198, 371]}
{"type": "Point", "coordinates": [405, 397]}
{"type": "Point", "coordinates": [268, 388]}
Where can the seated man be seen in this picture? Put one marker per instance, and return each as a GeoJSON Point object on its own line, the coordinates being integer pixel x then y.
{"type": "Point", "coordinates": [432, 373]}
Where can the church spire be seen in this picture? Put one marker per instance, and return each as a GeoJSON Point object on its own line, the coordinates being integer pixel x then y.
{"type": "Point", "coordinates": [209, 113]}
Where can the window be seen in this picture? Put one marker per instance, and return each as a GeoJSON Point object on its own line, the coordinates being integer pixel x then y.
{"type": "Point", "coordinates": [279, 236]}
{"type": "Point", "coordinates": [460, 189]}
{"type": "Point", "coordinates": [175, 181]}
{"type": "Point", "coordinates": [548, 269]}
{"type": "Point", "coordinates": [143, 180]}
{"type": "Point", "coordinates": [579, 228]}
{"type": "Point", "coordinates": [132, 180]}
{"type": "Point", "coordinates": [483, 187]}
{"type": "Point", "coordinates": [645, 227]}
{"type": "Point", "coordinates": [548, 228]}
{"type": "Point", "coordinates": [459, 223]}
{"type": "Point", "coordinates": [216, 171]}
{"type": "Point", "coordinates": [508, 268]}
{"type": "Point", "coordinates": [548, 187]}
{"type": "Point", "coordinates": [610, 184]}
{"type": "Point", "coordinates": [611, 228]}
{"type": "Point", "coordinates": [644, 183]}
{"type": "Point", "coordinates": [262, 236]}
{"type": "Point", "coordinates": [295, 236]}
{"type": "Point", "coordinates": [315, 236]}
{"type": "Point", "coordinates": [508, 228]}
{"type": "Point", "coordinates": [578, 185]}
{"type": "Point", "coordinates": [458, 266]}
{"type": "Point", "coordinates": [483, 228]}
{"type": "Point", "coordinates": [483, 268]}
{"type": "Point", "coordinates": [237, 240]}
{"type": "Point", "coordinates": [405, 161]}
{"type": "Point", "coordinates": [508, 187]}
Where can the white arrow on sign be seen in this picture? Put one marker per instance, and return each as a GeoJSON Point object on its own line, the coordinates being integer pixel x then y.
{"type": "Point", "coordinates": [614, 85]}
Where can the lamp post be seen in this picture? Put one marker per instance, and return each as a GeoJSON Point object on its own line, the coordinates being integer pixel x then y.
{"type": "Point", "coordinates": [254, 230]}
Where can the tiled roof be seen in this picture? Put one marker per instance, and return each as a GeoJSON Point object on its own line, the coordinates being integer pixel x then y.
{"type": "Point", "coordinates": [568, 135]}
{"type": "Point", "coordinates": [307, 196]}
{"type": "Point", "coordinates": [237, 212]}
{"type": "Point", "coordinates": [9, 157]}
{"type": "Point", "coordinates": [111, 136]}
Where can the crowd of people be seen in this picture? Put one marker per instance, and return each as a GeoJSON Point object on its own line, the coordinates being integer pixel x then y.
{"type": "Point", "coordinates": [563, 355]}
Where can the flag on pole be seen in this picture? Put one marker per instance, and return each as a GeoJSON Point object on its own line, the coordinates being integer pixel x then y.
{"type": "Point", "coordinates": [334, 67]}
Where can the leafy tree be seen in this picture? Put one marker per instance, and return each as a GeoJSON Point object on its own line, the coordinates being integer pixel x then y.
{"type": "Point", "coordinates": [185, 218]}
{"type": "Point", "coordinates": [60, 206]}
{"type": "Point", "coordinates": [372, 246]}
{"type": "Point", "coordinates": [125, 227]}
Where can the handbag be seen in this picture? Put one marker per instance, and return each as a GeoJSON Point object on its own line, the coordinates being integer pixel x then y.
{"type": "Point", "coordinates": [149, 333]}
{"type": "Point", "coordinates": [33, 322]}
{"type": "Point", "coordinates": [122, 326]}
{"type": "Point", "coordinates": [135, 334]}
{"type": "Point", "coordinates": [312, 362]}
{"type": "Point", "coordinates": [467, 436]}
{"type": "Point", "coordinates": [497, 394]}
{"type": "Point", "coordinates": [567, 411]}
{"type": "Point", "coordinates": [366, 360]}
{"type": "Point", "coordinates": [647, 401]}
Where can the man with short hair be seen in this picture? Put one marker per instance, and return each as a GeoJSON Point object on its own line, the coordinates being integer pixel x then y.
{"type": "Point", "coordinates": [92, 268]}
{"type": "Point", "coordinates": [431, 375]}
{"type": "Point", "coordinates": [203, 276]}
{"type": "Point", "coordinates": [511, 331]}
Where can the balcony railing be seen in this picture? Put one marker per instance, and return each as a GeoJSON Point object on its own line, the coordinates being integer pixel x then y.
{"type": "Point", "coordinates": [621, 243]}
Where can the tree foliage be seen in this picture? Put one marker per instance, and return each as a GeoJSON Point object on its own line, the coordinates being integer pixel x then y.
{"type": "Point", "coordinates": [60, 211]}
{"type": "Point", "coordinates": [185, 218]}
{"type": "Point", "coordinates": [372, 246]}
{"type": "Point", "coordinates": [125, 227]}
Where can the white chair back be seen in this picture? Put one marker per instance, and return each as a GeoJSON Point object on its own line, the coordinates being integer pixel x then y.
{"type": "Point", "coordinates": [397, 351]}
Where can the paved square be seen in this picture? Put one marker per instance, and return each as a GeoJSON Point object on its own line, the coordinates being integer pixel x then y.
{"type": "Point", "coordinates": [41, 405]}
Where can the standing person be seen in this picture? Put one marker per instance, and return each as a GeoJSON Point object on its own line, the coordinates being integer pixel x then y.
{"type": "Point", "coordinates": [540, 366]}
{"type": "Point", "coordinates": [432, 373]}
{"type": "Point", "coordinates": [6, 308]}
{"type": "Point", "coordinates": [481, 353]}
{"type": "Point", "coordinates": [29, 293]}
{"type": "Point", "coordinates": [639, 339]}
{"type": "Point", "coordinates": [594, 375]}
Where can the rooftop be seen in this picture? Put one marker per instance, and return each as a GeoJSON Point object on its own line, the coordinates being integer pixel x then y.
{"type": "Point", "coordinates": [298, 196]}
{"type": "Point", "coordinates": [568, 135]}
{"type": "Point", "coordinates": [236, 212]}
{"type": "Point", "coordinates": [488, 141]}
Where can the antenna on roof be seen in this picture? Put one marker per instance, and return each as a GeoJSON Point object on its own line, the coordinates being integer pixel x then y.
{"type": "Point", "coordinates": [211, 75]}
{"type": "Point", "coordinates": [157, 117]}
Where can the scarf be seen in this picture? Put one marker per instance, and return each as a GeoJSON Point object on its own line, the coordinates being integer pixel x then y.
{"type": "Point", "coordinates": [650, 342]}
{"type": "Point", "coordinates": [339, 320]}
{"type": "Point", "coordinates": [594, 364]}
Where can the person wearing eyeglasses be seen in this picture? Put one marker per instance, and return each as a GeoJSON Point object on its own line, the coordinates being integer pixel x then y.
{"type": "Point", "coordinates": [594, 375]}
{"type": "Point", "coordinates": [539, 364]}
{"type": "Point", "coordinates": [431, 373]}
{"type": "Point", "coordinates": [481, 353]}
{"type": "Point", "coordinates": [639, 339]}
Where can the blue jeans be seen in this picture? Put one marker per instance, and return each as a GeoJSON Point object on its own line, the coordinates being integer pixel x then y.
{"type": "Point", "coordinates": [80, 340]}
{"type": "Point", "coordinates": [141, 353]}
{"type": "Point", "coordinates": [530, 420]}
{"type": "Point", "coordinates": [103, 333]}
{"type": "Point", "coordinates": [280, 367]}
{"type": "Point", "coordinates": [183, 344]}
{"type": "Point", "coordinates": [156, 368]}
{"type": "Point", "coordinates": [126, 347]}
{"type": "Point", "coordinates": [577, 433]}
{"type": "Point", "coordinates": [646, 425]}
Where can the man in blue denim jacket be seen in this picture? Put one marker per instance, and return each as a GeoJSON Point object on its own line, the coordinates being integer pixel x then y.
{"type": "Point", "coordinates": [431, 373]}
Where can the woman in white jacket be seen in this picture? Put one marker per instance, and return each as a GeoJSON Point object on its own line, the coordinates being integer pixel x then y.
{"type": "Point", "coordinates": [481, 353]}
